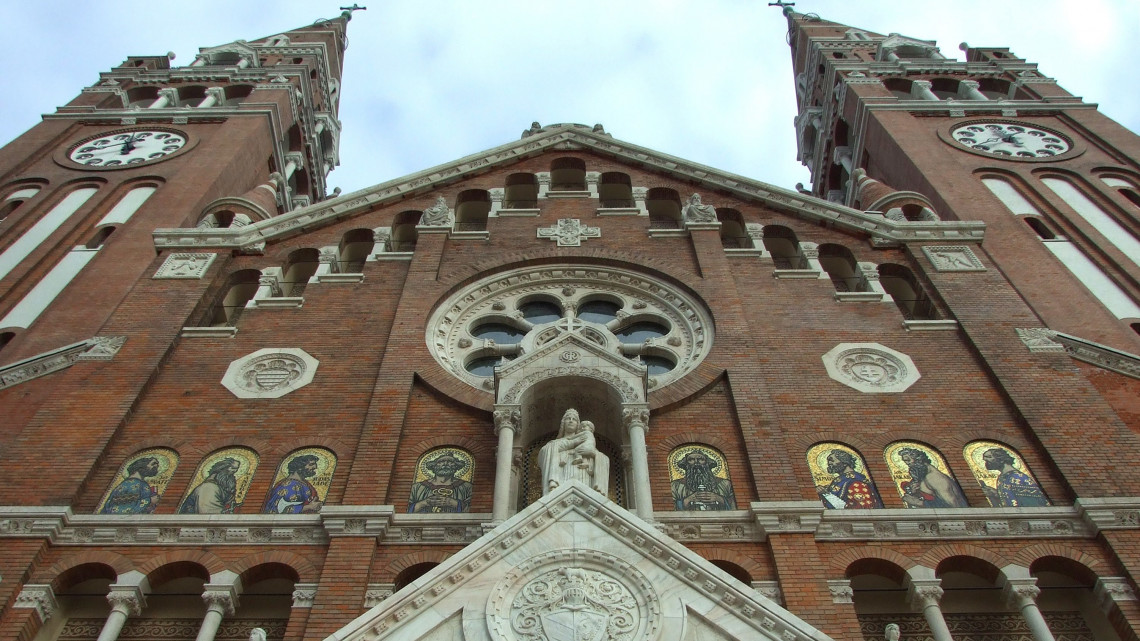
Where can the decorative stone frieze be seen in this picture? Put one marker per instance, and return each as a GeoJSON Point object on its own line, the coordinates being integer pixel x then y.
{"type": "Point", "coordinates": [184, 265]}
{"type": "Point", "coordinates": [98, 348]}
{"type": "Point", "coordinates": [959, 258]}
{"type": "Point", "coordinates": [569, 232]}
{"type": "Point", "coordinates": [270, 373]}
{"type": "Point", "coordinates": [1039, 339]}
{"type": "Point", "coordinates": [356, 521]}
{"type": "Point", "coordinates": [1099, 355]}
{"type": "Point", "coordinates": [870, 368]}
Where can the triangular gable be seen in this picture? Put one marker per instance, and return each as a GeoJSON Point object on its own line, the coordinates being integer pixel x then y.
{"type": "Point", "coordinates": [884, 232]}
{"type": "Point", "coordinates": [570, 562]}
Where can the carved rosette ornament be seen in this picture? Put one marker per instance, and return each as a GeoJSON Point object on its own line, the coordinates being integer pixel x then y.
{"type": "Point", "coordinates": [569, 595]}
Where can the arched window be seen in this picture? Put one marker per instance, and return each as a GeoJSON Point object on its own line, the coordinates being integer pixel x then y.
{"type": "Point", "coordinates": [911, 299]}
{"type": "Point", "coordinates": [234, 94]}
{"type": "Point", "coordinates": [568, 174]}
{"type": "Point", "coordinates": [100, 237]}
{"type": "Point", "coordinates": [879, 593]}
{"type": "Point", "coordinates": [1119, 235]}
{"type": "Point", "coordinates": [900, 87]}
{"type": "Point", "coordinates": [1040, 228]}
{"type": "Point", "coordinates": [1068, 599]}
{"type": "Point", "coordinates": [409, 574]}
{"type": "Point", "coordinates": [13, 200]}
{"type": "Point", "coordinates": [994, 88]}
{"type": "Point", "coordinates": [471, 209]}
{"type": "Point", "coordinates": [141, 96]}
{"type": "Point", "coordinates": [355, 246]}
{"type": "Point", "coordinates": [945, 88]}
{"type": "Point", "coordinates": [1131, 196]}
{"type": "Point", "coordinates": [615, 190]}
{"type": "Point", "coordinates": [782, 244]}
{"type": "Point", "coordinates": [44, 227]}
{"type": "Point", "coordinates": [191, 96]}
{"type": "Point", "coordinates": [734, 570]}
{"type": "Point", "coordinates": [239, 289]}
{"type": "Point", "coordinates": [266, 601]}
{"type": "Point", "coordinates": [732, 232]}
{"type": "Point", "coordinates": [6, 337]}
{"type": "Point", "coordinates": [298, 269]}
{"type": "Point", "coordinates": [521, 192]}
{"type": "Point", "coordinates": [840, 265]}
{"type": "Point", "coordinates": [404, 232]}
{"type": "Point", "coordinates": [664, 207]}
{"type": "Point", "coordinates": [127, 206]}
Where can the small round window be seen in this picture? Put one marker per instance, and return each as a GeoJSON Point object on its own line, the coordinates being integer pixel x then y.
{"type": "Point", "coordinates": [598, 311]}
{"type": "Point", "coordinates": [538, 312]}
{"type": "Point", "coordinates": [498, 332]}
{"type": "Point", "coordinates": [641, 332]}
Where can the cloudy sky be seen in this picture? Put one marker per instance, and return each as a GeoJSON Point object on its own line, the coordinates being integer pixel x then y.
{"type": "Point", "coordinates": [428, 81]}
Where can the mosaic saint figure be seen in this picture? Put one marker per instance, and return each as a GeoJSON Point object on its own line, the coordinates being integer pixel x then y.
{"type": "Point", "coordinates": [1014, 488]}
{"type": "Point", "coordinates": [574, 456]}
{"type": "Point", "coordinates": [844, 487]}
{"type": "Point", "coordinates": [699, 486]}
{"type": "Point", "coordinates": [220, 482]}
{"type": "Point", "coordinates": [134, 495]}
{"type": "Point", "coordinates": [294, 494]}
{"type": "Point", "coordinates": [140, 483]}
{"type": "Point", "coordinates": [444, 490]}
{"type": "Point", "coordinates": [922, 484]}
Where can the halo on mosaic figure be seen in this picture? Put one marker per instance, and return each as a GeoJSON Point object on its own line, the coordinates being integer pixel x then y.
{"type": "Point", "coordinates": [698, 479]}
{"type": "Point", "coordinates": [442, 482]}
{"type": "Point", "coordinates": [301, 483]}
{"type": "Point", "coordinates": [220, 483]}
{"type": "Point", "coordinates": [841, 478]}
{"type": "Point", "coordinates": [1003, 475]}
{"type": "Point", "coordinates": [922, 477]}
{"type": "Point", "coordinates": [140, 483]}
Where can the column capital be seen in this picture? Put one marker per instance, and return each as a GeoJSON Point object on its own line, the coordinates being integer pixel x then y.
{"type": "Point", "coordinates": [223, 598]}
{"type": "Point", "coordinates": [1021, 592]}
{"type": "Point", "coordinates": [128, 599]}
{"type": "Point", "coordinates": [38, 597]}
{"type": "Point", "coordinates": [1112, 589]}
{"type": "Point", "coordinates": [924, 593]}
{"type": "Point", "coordinates": [841, 591]}
{"type": "Point", "coordinates": [507, 416]}
{"type": "Point", "coordinates": [635, 416]}
{"type": "Point", "coordinates": [304, 594]}
{"type": "Point", "coordinates": [377, 593]}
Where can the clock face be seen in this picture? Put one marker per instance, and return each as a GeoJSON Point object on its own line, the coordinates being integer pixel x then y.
{"type": "Point", "coordinates": [125, 148]}
{"type": "Point", "coordinates": [1011, 140]}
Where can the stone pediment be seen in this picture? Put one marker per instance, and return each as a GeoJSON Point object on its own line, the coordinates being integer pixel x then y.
{"type": "Point", "coordinates": [571, 354]}
{"type": "Point", "coordinates": [882, 231]}
{"type": "Point", "coordinates": [572, 566]}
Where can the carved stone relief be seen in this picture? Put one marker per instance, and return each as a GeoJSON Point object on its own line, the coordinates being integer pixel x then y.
{"type": "Point", "coordinates": [870, 367]}
{"type": "Point", "coordinates": [953, 259]}
{"type": "Point", "coordinates": [270, 373]}
{"type": "Point", "coordinates": [569, 232]}
{"type": "Point", "coordinates": [184, 265]}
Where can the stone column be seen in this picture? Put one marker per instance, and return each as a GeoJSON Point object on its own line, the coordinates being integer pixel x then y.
{"type": "Point", "coordinates": [214, 96]}
{"type": "Point", "coordinates": [968, 90]}
{"type": "Point", "coordinates": [636, 419]}
{"type": "Point", "coordinates": [507, 419]}
{"type": "Point", "coordinates": [243, 63]}
{"type": "Point", "coordinates": [592, 178]}
{"type": "Point", "coordinates": [125, 600]}
{"type": "Point", "coordinates": [1022, 594]}
{"type": "Point", "coordinates": [543, 183]}
{"type": "Point", "coordinates": [920, 89]}
{"type": "Point", "coordinates": [926, 594]}
{"type": "Point", "coordinates": [166, 97]}
{"type": "Point", "coordinates": [329, 263]}
{"type": "Point", "coordinates": [220, 601]}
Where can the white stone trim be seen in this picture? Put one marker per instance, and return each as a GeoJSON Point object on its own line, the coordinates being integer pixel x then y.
{"type": "Point", "coordinates": [38, 597]}
{"type": "Point", "coordinates": [376, 593]}
{"type": "Point", "coordinates": [97, 348]}
{"type": "Point", "coordinates": [1100, 355]}
{"type": "Point", "coordinates": [304, 594]}
{"type": "Point", "coordinates": [958, 258]}
{"type": "Point", "coordinates": [885, 232]}
{"type": "Point", "coordinates": [271, 372]}
{"type": "Point", "coordinates": [930, 325]}
{"type": "Point", "coordinates": [208, 332]}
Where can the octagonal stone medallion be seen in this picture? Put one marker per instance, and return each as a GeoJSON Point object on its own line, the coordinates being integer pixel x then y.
{"type": "Point", "coordinates": [272, 372]}
{"type": "Point", "coordinates": [870, 368]}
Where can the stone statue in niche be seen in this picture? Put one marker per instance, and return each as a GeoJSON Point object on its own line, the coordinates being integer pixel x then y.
{"type": "Point", "coordinates": [438, 215]}
{"type": "Point", "coordinates": [696, 212]}
{"type": "Point", "coordinates": [574, 456]}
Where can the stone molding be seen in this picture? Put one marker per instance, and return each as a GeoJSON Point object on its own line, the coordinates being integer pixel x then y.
{"type": "Point", "coordinates": [1110, 590]}
{"type": "Point", "coordinates": [841, 591]}
{"type": "Point", "coordinates": [1042, 339]}
{"type": "Point", "coordinates": [376, 593]}
{"type": "Point", "coordinates": [38, 597]}
{"type": "Point", "coordinates": [568, 137]}
{"type": "Point", "coordinates": [96, 348]}
{"type": "Point", "coordinates": [1038, 339]}
{"type": "Point", "coordinates": [356, 521]}
{"type": "Point", "coordinates": [569, 232]}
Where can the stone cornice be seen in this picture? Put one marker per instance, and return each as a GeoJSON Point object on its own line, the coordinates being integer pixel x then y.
{"type": "Point", "coordinates": [1085, 519]}
{"type": "Point", "coordinates": [882, 231]}
{"type": "Point", "coordinates": [1100, 355]}
{"type": "Point", "coordinates": [97, 348]}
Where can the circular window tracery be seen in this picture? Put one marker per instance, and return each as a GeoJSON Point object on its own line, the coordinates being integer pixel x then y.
{"type": "Point", "coordinates": [509, 315]}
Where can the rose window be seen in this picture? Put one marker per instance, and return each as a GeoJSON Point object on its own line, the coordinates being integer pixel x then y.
{"type": "Point", "coordinates": [507, 316]}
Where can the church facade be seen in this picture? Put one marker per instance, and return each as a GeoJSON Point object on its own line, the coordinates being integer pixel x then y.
{"type": "Point", "coordinates": [571, 388]}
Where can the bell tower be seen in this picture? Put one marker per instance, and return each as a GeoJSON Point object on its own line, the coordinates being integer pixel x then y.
{"type": "Point", "coordinates": [246, 131]}
{"type": "Point", "coordinates": [988, 138]}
